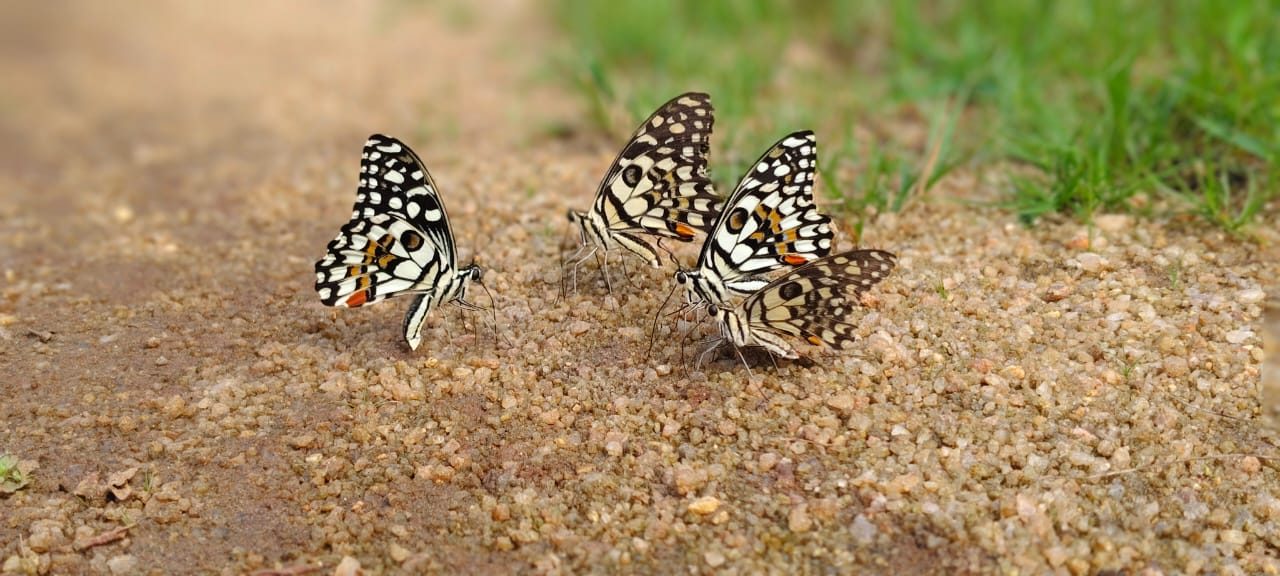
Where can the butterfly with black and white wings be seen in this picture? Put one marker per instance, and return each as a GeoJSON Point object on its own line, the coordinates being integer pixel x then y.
{"type": "Point", "coordinates": [770, 222]}
{"type": "Point", "coordinates": [398, 241]}
{"type": "Point", "coordinates": [814, 302]}
{"type": "Point", "coordinates": [657, 186]}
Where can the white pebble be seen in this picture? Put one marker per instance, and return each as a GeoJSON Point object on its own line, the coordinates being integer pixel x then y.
{"type": "Point", "coordinates": [1239, 336]}
{"type": "Point", "coordinates": [1251, 296]}
{"type": "Point", "coordinates": [864, 532]}
{"type": "Point", "coordinates": [1090, 262]}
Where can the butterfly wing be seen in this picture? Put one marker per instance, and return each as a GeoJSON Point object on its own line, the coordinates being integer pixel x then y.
{"type": "Point", "coordinates": [815, 301]}
{"type": "Point", "coordinates": [658, 184]}
{"type": "Point", "coordinates": [398, 239]}
{"type": "Point", "coordinates": [770, 220]}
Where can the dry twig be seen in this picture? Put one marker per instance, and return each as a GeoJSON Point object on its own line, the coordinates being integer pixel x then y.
{"type": "Point", "coordinates": [104, 538]}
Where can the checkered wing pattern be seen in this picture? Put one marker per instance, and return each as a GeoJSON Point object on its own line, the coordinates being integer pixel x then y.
{"type": "Point", "coordinates": [398, 240]}
{"type": "Point", "coordinates": [816, 300]}
{"type": "Point", "coordinates": [770, 221]}
{"type": "Point", "coordinates": [658, 184]}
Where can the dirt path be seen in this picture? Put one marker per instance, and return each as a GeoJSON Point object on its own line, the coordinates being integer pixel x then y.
{"type": "Point", "coordinates": [1025, 399]}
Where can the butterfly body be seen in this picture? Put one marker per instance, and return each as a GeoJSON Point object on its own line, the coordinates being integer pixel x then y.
{"type": "Point", "coordinates": [769, 223]}
{"type": "Point", "coordinates": [398, 241]}
{"type": "Point", "coordinates": [813, 302]}
{"type": "Point", "coordinates": [658, 184]}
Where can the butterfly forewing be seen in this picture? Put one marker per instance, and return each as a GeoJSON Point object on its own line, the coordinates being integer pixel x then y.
{"type": "Point", "coordinates": [816, 300]}
{"type": "Point", "coordinates": [398, 239]}
{"type": "Point", "coordinates": [770, 222]}
{"type": "Point", "coordinates": [658, 184]}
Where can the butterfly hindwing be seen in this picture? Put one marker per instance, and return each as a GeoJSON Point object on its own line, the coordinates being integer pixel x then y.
{"type": "Point", "coordinates": [816, 300]}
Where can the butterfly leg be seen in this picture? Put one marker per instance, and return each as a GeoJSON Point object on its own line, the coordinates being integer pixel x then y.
{"type": "Point", "coordinates": [577, 261]}
{"type": "Point", "coordinates": [654, 330]}
{"type": "Point", "coordinates": [715, 344]}
{"type": "Point", "coordinates": [603, 259]}
{"type": "Point", "coordinates": [750, 374]}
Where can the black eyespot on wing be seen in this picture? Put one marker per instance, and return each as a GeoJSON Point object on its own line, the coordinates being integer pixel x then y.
{"type": "Point", "coordinates": [737, 219]}
{"type": "Point", "coordinates": [631, 175]}
{"type": "Point", "coordinates": [411, 240]}
{"type": "Point", "coordinates": [790, 290]}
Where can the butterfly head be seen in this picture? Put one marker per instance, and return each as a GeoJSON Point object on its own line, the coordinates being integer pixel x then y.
{"type": "Point", "coordinates": [466, 275]}
{"type": "Point", "coordinates": [474, 273]}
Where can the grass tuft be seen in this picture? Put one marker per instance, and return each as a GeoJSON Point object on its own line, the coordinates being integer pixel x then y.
{"type": "Point", "coordinates": [12, 476]}
{"type": "Point", "coordinates": [1124, 106]}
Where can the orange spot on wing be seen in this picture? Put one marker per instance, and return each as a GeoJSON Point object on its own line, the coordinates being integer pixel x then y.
{"type": "Point", "coordinates": [684, 230]}
{"type": "Point", "coordinates": [358, 298]}
{"type": "Point", "coordinates": [794, 260]}
{"type": "Point", "coordinates": [814, 340]}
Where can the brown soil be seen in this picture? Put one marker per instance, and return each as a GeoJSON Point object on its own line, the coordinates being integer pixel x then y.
{"type": "Point", "coordinates": [1036, 401]}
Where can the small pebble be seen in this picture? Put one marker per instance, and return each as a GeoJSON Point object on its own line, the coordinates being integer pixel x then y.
{"type": "Point", "coordinates": [844, 403]}
{"type": "Point", "coordinates": [798, 519]}
{"type": "Point", "coordinates": [1175, 366]}
{"type": "Point", "coordinates": [1239, 336]}
{"type": "Point", "coordinates": [704, 505]}
{"type": "Point", "coordinates": [863, 531]}
{"type": "Point", "coordinates": [1090, 262]}
{"type": "Point", "coordinates": [1056, 292]}
{"type": "Point", "coordinates": [687, 479]}
{"type": "Point", "coordinates": [348, 567]}
{"type": "Point", "coordinates": [123, 565]}
{"type": "Point", "coordinates": [1113, 222]}
{"type": "Point", "coordinates": [1251, 296]}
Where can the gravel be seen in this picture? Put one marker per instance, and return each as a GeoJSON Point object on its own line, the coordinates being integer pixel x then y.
{"type": "Point", "coordinates": [1046, 400]}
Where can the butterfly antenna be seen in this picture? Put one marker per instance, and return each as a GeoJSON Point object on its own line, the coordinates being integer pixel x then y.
{"type": "Point", "coordinates": [670, 254]}
{"type": "Point", "coordinates": [626, 275]}
{"type": "Point", "coordinates": [653, 331]}
{"type": "Point", "coordinates": [563, 276]}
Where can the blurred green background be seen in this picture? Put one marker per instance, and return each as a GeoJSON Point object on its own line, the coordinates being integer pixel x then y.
{"type": "Point", "coordinates": [1077, 107]}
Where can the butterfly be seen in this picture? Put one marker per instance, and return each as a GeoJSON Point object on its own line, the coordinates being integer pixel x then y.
{"type": "Point", "coordinates": [813, 302]}
{"type": "Point", "coordinates": [397, 242]}
{"type": "Point", "coordinates": [658, 184]}
{"type": "Point", "coordinates": [770, 222]}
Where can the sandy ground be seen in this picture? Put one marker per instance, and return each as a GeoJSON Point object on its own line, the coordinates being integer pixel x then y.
{"type": "Point", "coordinates": [1025, 401]}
